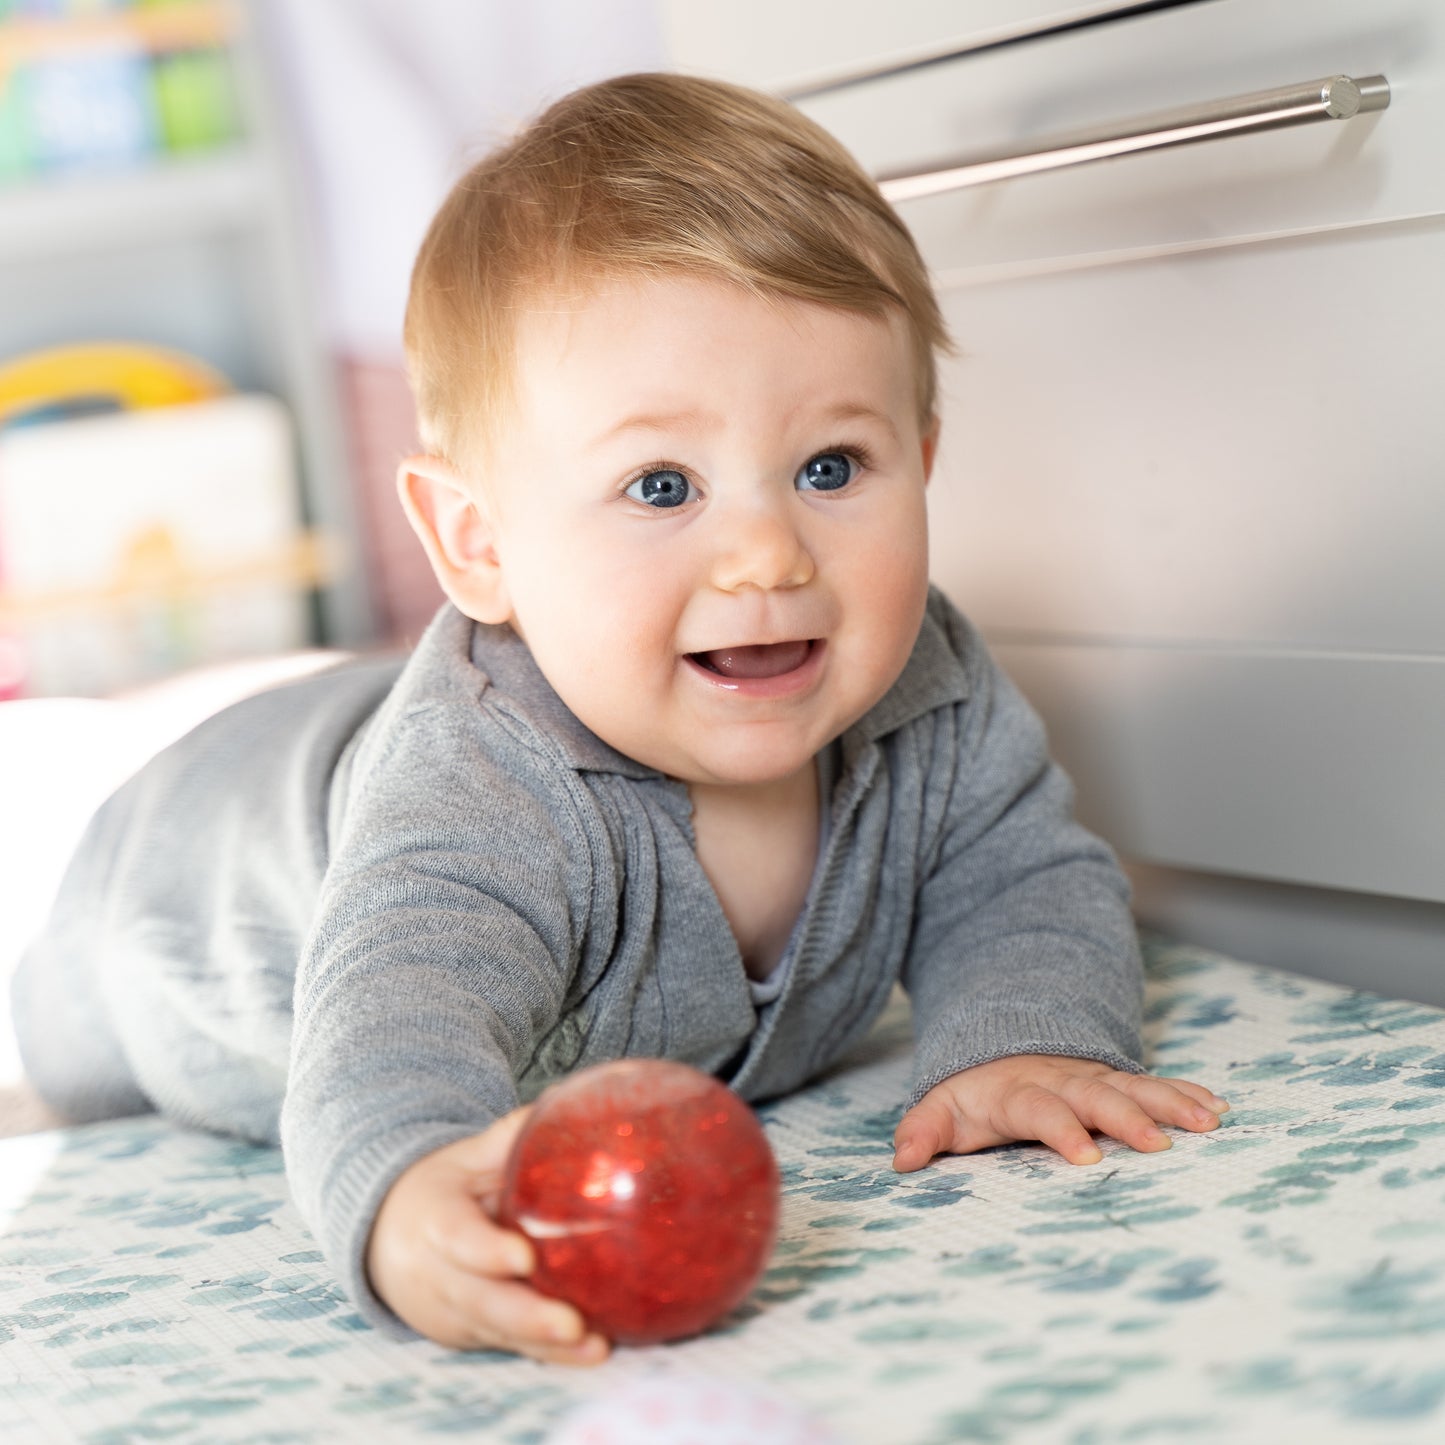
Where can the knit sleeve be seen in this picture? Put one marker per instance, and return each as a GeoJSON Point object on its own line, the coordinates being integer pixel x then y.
{"type": "Point", "coordinates": [1023, 941]}
{"type": "Point", "coordinates": [444, 940]}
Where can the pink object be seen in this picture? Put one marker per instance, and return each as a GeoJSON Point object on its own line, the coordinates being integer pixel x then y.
{"type": "Point", "coordinates": [12, 667]}
{"type": "Point", "coordinates": [690, 1410]}
{"type": "Point", "coordinates": [650, 1195]}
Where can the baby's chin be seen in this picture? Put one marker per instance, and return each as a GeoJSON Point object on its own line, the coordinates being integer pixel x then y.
{"type": "Point", "coordinates": [748, 768]}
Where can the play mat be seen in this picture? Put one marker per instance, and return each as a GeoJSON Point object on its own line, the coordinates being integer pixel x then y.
{"type": "Point", "coordinates": [1281, 1279]}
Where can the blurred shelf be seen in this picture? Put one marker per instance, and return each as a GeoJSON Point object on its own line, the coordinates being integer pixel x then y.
{"type": "Point", "coordinates": [26, 38]}
{"type": "Point", "coordinates": [166, 200]}
{"type": "Point", "coordinates": [310, 559]}
{"type": "Point", "coordinates": [203, 251]}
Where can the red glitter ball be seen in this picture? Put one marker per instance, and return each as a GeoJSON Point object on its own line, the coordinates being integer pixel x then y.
{"type": "Point", "coordinates": [650, 1195]}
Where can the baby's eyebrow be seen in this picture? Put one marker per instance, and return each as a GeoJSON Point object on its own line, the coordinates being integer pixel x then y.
{"type": "Point", "coordinates": [696, 419]}
{"type": "Point", "coordinates": [692, 419]}
{"type": "Point", "coordinates": [857, 411]}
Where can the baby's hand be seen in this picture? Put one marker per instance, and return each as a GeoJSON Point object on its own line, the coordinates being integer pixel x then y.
{"type": "Point", "coordinates": [1055, 1100]}
{"type": "Point", "coordinates": [442, 1263]}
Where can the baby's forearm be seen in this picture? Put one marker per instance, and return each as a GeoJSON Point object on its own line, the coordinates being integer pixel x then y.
{"type": "Point", "coordinates": [1023, 941]}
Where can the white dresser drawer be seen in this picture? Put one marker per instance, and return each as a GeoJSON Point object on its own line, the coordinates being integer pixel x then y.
{"type": "Point", "coordinates": [1323, 769]}
{"type": "Point", "coordinates": [1371, 168]}
{"type": "Point", "coordinates": [1190, 480]}
{"type": "Point", "coordinates": [1243, 446]}
{"type": "Point", "coordinates": [783, 46]}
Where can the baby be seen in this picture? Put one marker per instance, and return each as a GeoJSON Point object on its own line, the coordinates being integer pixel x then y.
{"type": "Point", "coordinates": [693, 763]}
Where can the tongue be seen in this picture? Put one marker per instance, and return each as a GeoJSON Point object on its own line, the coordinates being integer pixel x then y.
{"type": "Point", "coordinates": [770, 659]}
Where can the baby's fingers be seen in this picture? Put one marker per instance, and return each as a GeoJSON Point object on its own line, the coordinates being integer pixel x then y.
{"type": "Point", "coordinates": [1102, 1105]}
{"type": "Point", "coordinates": [925, 1130]}
{"type": "Point", "coordinates": [1207, 1097]}
{"type": "Point", "coordinates": [939, 1123]}
{"type": "Point", "coordinates": [468, 1239]}
{"type": "Point", "coordinates": [1167, 1101]}
{"type": "Point", "coordinates": [509, 1315]}
{"type": "Point", "coordinates": [1035, 1113]}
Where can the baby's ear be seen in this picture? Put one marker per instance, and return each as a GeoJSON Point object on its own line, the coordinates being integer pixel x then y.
{"type": "Point", "coordinates": [930, 447]}
{"type": "Point", "coordinates": [458, 535]}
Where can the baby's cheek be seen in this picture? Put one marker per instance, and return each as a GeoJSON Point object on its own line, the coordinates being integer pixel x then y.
{"type": "Point", "coordinates": [891, 603]}
{"type": "Point", "coordinates": [900, 560]}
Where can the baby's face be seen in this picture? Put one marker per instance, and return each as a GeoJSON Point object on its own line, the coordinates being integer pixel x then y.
{"type": "Point", "coordinates": [710, 521]}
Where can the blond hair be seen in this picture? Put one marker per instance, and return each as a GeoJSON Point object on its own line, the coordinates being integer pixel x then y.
{"type": "Point", "coordinates": [648, 174]}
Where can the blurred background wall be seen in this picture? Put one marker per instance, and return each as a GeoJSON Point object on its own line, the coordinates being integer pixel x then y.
{"type": "Point", "coordinates": [208, 214]}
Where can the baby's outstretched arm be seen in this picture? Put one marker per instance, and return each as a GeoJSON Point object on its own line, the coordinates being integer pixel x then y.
{"type": "Point", "coordinates": [1053, 1099]}
{"type": "Point", "coordinates": [443, 1264]}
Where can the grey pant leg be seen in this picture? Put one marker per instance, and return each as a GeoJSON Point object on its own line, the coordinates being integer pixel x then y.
{"type": "Point", "coordinates": [67, 1044]}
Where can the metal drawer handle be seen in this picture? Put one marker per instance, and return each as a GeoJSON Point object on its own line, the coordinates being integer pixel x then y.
{"type": "Point", "coordinates": [1336, 97]}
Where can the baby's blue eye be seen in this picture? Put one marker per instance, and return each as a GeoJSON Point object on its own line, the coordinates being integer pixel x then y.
{"type": "Point", "coordinates": [827, 472]}
{"type": "Point", "coordinates": [660, 489]}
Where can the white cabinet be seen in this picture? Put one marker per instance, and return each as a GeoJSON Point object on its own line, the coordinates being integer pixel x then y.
{"type": "Point", "coordinates": [1189, 480]}
{"type": "Point", "coordinates": [1375, 168]}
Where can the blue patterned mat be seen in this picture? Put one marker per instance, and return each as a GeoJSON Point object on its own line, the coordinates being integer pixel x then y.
{"type": "Point", "coordinates": [1280, 1279]}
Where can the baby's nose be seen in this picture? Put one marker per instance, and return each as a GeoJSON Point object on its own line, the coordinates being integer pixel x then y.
{"type": "Point", "coordinates": [760, 547]}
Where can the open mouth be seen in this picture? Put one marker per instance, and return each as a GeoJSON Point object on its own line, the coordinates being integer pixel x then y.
{"type": "Point", "coordinates": [757, 660]}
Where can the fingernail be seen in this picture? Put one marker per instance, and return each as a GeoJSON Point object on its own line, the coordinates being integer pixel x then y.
{"type": "Point", "coordinates": [564, 1327]}
{"type": "Point", "coordinates": [593, 1349]}
{"type": "Point", "coordinates": [1203, 1116]}
{"type": "Point", "coordinates": [1156, 1139]}
{"type": "Point", "coordinates": [1220, 1105]}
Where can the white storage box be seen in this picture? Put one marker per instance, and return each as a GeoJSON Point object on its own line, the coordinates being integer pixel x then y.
{"type": "Point", "coordinates": [138, 543]}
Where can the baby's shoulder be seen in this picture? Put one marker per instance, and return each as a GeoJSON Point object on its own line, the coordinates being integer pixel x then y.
{"type": "Point", "coordinates": [467, 734]}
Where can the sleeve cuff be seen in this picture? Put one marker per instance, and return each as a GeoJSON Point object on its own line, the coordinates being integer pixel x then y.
{"type": "Point", "coordinates": [939, 1072]}
{"type": "Point", "coordinates": [966, 1036]}
{"type": "Point", "coordinates": [356, 1193]}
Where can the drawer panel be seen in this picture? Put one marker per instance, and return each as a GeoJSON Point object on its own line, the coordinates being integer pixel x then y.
{"type": "Point", "coordinates": [781, 47]}
{"type": "Point", "coordinates": [1324, 771]}
{"type": "Point", "coordinates": [1241, 446]}
{"type": "Point", "coordinates": [1371, 168]}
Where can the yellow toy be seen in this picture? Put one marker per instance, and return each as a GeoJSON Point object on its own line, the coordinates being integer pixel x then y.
{"type": "Point", "coordinates": [102, 376]}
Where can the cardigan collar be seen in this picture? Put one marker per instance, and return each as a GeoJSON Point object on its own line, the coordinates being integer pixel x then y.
{"type": "Point", "coordinates": [932, 677]}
